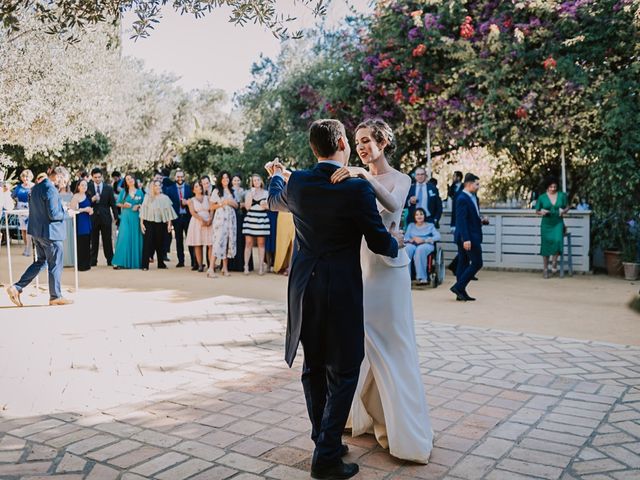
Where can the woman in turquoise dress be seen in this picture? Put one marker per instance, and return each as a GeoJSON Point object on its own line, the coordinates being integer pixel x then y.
{"type": "Point", "coordinates": [129, 244]}
{"type": "Point", "coordinates": [552, 206]}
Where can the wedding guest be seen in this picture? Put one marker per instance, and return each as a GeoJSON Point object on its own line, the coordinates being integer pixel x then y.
{"type": "Point", "coordinates": [6, 205]}
{"type": "Point", "coordinates": [69, 258]}
{"type": "Point", "coordinates": [104, 206]}
{"type": "Point", "coordinates": [426, 196]}
{"type": "Point", "coordinates": [552, 206]}
{"type": "Point", "coordinates": [80, 175]}
{"type": "Point", "coordinates": [285, 234]}
{"type": "Point", "coordinates": [419, 242]}
{"type": "Point", "coordinates": [205, 180]}
{"type": "Point", "coordinates": [583, 206]}
{"type": "Point", "coordinates": [468, 237]}
{"type": "Point", "coordinates": [81, 203]}
{"type": "Point", "coordinates": [118, 182]}
{"type": "Point", "coordinates": [180, 193]}
{"type": "Point", "coordinates": [156, 217]}
{"type": "Point", "coordinates": [21, 196]}
{"type": "Point", "coordinates": [256, 223]}
{"type": "Point", "coordinates": [200, 231]}
{"type": "Point", "coordinates": [270, 241]}
{"type": "Point", "coordinates": [129, 244]}
{"type": "Point", "coordinates": [46, 227]}
{"type": "Point", "coordinates": [236, 264]}
{"type": "Point", "coordinates": [224, 224]}
{"type": "Point", "coordinates": [456, 185]}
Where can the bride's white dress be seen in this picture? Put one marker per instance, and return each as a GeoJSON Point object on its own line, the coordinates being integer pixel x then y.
{"type": "Point", "coordinates": [390, 400]}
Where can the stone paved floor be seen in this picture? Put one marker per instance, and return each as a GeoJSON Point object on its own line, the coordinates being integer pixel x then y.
{"type": "Point", "coordinates": [504, 406]}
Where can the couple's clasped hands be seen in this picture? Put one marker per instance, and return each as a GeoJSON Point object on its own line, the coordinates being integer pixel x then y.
{"type": "Point", "coordinates": [276, 167]}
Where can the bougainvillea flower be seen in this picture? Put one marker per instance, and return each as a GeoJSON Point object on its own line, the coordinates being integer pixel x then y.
{"type": "Point", "coordinates": [550, 63]}
{"type": "Point", "coordinates": [420, 50]}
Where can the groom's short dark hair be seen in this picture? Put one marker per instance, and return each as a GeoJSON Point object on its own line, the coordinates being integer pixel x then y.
{"type": "Point", "coordinates": [324, 135]}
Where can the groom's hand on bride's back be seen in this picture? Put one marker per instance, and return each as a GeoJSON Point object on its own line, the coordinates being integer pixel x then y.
{"type": "Point", "coordinates": [397, 234]}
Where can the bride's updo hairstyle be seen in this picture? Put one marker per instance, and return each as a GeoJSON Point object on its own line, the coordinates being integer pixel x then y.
{"type": "Point", "coordinates": [380, 131]}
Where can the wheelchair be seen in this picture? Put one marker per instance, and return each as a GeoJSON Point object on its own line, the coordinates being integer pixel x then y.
{"type": "Point", "coordinates": [436, 267]}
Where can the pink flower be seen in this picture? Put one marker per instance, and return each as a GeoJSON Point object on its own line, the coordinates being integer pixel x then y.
{"type": "Point", "coordinates": [420, 50]}
{"type": "Point", "coordinates": [549, 63]}
{"type": "Point", "coordinates": [466, 29]}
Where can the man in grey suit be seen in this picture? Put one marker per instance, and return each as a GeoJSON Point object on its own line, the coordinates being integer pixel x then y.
{"type": "Point", "coordinates": [48, 232]}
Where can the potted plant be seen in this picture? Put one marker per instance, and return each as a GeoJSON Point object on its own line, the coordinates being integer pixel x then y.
{"type": "Point", "coordinates": [631, 252]}
{"type": "Point", "coordinates": [609, 233]}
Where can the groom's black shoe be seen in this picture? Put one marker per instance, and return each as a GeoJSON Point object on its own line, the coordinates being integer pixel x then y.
{"type": "Point", "coordinates": [335, 472]}
{"type": "Point", "coordinates": [467, 297]}
{"type": "Point", "coordinates": [460, 296]}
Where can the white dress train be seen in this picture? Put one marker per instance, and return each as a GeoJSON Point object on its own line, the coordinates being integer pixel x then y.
{"type": "Point", "coordinates": [390, 400]}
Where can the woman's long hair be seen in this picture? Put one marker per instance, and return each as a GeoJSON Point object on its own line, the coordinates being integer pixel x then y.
{"type": "Point", "coordinates": [219, 186]}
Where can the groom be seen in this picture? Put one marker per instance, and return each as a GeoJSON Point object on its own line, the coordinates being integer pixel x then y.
{"type": "Point", "coordinates": [325, 285]}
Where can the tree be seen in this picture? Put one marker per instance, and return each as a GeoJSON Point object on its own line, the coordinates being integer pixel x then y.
{"type": "Point", "coordinates": [202, 156]}
{"type": "Point", "coordinates": [65, 17]}
{"type": "Point", "coordinates": [52, 93]}
{"type": "Point", "coordinates": [524, 80]}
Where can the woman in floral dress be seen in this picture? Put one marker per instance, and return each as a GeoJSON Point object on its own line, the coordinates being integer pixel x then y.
{"type": "Point", "coordinates": [224, 205]}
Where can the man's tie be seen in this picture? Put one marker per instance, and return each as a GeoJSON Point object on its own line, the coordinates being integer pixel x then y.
{"type": "Point", "coordinates": [419, 195]}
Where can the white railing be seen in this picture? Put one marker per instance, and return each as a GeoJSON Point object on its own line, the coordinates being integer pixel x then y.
{"type": "Point", "coordinates": [512, 239]}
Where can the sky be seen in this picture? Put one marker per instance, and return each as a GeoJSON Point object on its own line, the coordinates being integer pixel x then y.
{"type": "Point", "coordinates": [210, 51]}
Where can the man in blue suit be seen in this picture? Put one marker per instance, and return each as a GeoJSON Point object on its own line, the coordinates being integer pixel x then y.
{"type": "Point", "coordinates": [180, 193]}
{"type": "Point", "coordinates": [426, 196]}
{"type": "Point", "coordinates": [468, 237]}
{"type": "Point", "coordinates": [325, 299]}
{"type": "Point", "coordinates": [48, 232]}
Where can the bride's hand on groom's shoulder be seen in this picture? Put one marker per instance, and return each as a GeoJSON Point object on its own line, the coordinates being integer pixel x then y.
{"type": "Point", "coordinates": [343, 173]}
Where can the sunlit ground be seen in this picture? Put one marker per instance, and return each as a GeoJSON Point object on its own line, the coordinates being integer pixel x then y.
{"type": "Point", "coordinates": [170, 375]}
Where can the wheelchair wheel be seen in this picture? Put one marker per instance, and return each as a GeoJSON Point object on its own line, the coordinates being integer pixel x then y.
{"type": "Point", "coordinates": [439, 269]}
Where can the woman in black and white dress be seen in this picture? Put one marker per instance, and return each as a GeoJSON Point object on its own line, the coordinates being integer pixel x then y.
{"type": "Point", "coordinates": [256, 223]}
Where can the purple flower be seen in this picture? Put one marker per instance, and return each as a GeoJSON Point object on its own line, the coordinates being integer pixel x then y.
{"type": "Point", "coordinates": [483, 28]}
{"type": "Point", "coordinates": [620, 5]}
{"type": "Point", "coordinates": [414, 34]}
{"type": "Point", "coordinates": [432, 21]}
{"type": "Point", "coordinates": [570, 7]}
{"type": "Point", "coordinates": [371, 60]}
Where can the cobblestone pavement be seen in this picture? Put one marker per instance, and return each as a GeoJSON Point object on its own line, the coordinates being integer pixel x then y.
{"type": "Point", "coordinates": [504, 406]}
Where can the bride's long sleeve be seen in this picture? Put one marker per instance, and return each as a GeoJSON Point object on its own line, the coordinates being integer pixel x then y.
{"type": "Point", "coordinates": [394, 200]}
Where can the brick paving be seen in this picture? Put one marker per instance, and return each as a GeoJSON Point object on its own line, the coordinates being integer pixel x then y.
{"type": "Point", "coordinates": [504, 406]}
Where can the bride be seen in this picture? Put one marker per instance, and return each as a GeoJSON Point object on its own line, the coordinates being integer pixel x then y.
{"type": "Point", "coordinates": [390, 399]}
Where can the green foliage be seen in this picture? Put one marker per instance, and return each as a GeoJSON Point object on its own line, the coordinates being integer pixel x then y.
{"type": "Point", "coordinates": [87, 152]}
{"type": "Point", "coordinates": [522, 79]}
{"type": "Point", "coordinates": [203, 157]}
{"type": "Point", "coordinates": [66, 17]}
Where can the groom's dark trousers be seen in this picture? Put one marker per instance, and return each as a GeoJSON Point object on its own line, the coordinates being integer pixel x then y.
{"type": "Point", "coordinates": [325, 292]}
{"type": "Point", "coordinates": [468, 228]}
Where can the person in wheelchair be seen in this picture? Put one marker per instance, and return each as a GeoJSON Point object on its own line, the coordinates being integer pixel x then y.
{"type": "Point", "coordinates": [420, 238]}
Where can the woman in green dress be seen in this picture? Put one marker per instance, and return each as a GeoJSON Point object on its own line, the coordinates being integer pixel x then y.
{"type": "Point", "coordinates": [128, 252]}
{"type": "Point", "coordinates": [552, 206]}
